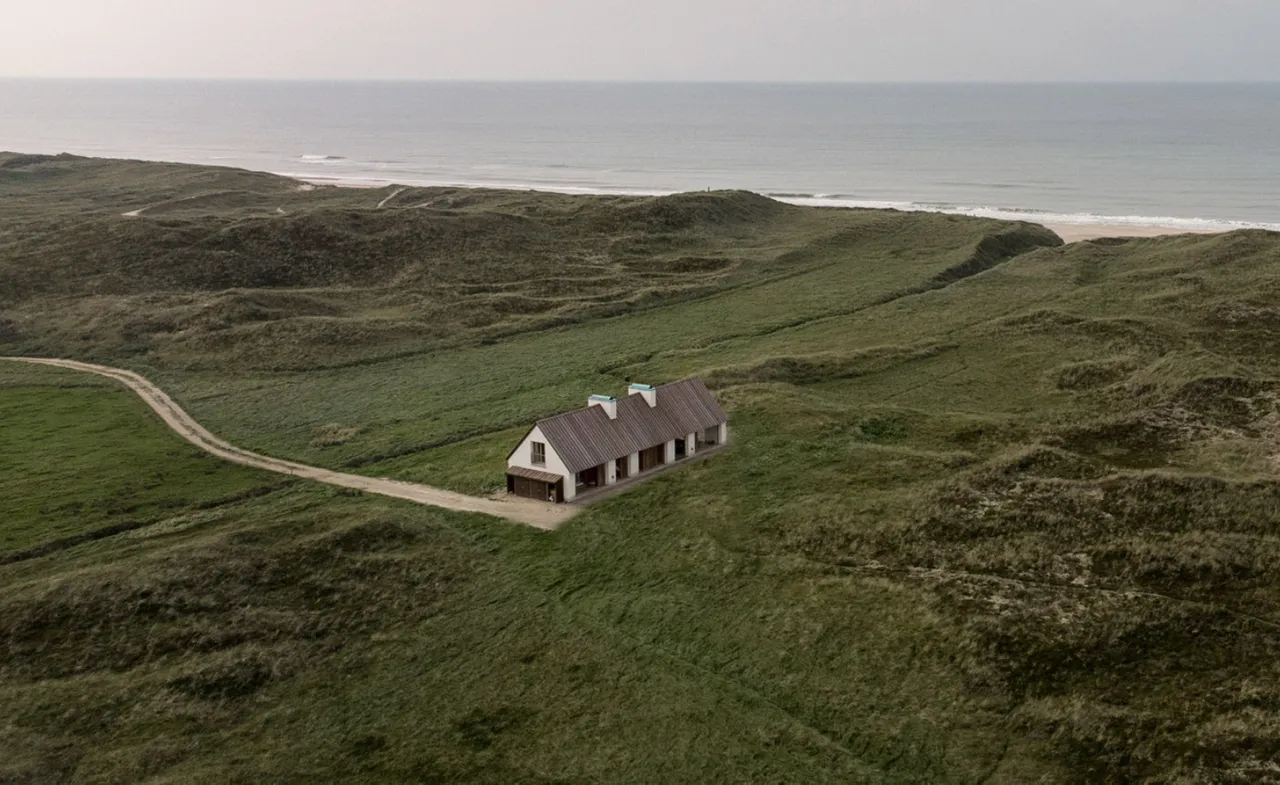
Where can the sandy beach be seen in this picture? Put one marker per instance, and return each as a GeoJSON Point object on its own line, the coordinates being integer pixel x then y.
{"type": "Point", "coordinates": [1071, 233]}
{"type": "Point", "coordinates": [1074, 233]}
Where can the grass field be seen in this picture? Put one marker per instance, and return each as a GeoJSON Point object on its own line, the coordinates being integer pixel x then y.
{"type": "Point", "coordinates": [307, 634]}
{"type": "Point", "coordinates": [999, 510]}
{"type": "Point", "coordinates": [78, 457]}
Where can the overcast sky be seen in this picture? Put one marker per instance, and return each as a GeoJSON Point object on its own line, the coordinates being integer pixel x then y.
{"type": "Point", "coordinates": [747, 40]}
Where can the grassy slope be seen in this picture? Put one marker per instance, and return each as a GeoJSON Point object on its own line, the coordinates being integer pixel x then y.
{"type": "Point", "coordinates": [332, 281]}
{"type": "Point", "coordinates": [108, 464]}
{"type": "Point", "coordinates": [306, 634]}
{"type": "Point", "coordinates": [977, 524]}
{"type": "Point", "coordinates": [445, 395]}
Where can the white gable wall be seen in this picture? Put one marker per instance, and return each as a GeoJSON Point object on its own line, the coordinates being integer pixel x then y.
{"type": "Point", "coordinates": [523, 457]}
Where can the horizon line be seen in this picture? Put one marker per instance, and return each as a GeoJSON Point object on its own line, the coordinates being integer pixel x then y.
{"type": "Point", "coordinates": [588, 81]}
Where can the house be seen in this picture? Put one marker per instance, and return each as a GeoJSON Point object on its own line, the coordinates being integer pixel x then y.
{"type": "Point", "coordinates": [614, 439]}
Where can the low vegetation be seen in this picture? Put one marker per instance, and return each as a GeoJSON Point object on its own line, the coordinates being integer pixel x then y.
{"type": "Point", "coordinates": [81, 461]}
{"type": "Point", "coordinates": [999, 510]}
{"type": "Point", "coordinates": [226, 269]}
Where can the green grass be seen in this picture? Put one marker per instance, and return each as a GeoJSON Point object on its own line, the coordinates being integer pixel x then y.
{"type": "Point", "coordinates": [81, 459]}
{"type": "Point", "coordinates": [457, 393]}
{"type": "Point", "coordinates": [310, 634]}
{"type": "Point", "coordinates": [997, 510]}
{"type": "Point", "coordinates": [268, 277]}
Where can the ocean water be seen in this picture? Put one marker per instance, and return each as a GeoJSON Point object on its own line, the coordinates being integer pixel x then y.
{"type": "Point", "coordinates": [1203, 156]}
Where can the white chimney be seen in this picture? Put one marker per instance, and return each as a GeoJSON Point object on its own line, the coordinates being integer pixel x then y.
{"type": "Point", "coordinates": [610, 405]}
{"type": "Point", "coordinates": [650, 394]}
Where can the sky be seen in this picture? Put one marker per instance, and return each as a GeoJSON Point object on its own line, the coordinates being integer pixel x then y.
{"type": "Point", "coordinates": [646, 40]}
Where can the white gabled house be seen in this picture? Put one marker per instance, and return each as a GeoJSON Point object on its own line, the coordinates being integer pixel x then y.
{"type": "Point", "coordinates": [615, 439]}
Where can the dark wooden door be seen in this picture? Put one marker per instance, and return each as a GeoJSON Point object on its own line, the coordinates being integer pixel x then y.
{"type": "Point", "coordinates": [529, 489]}
{"type": "Point", "coordinates": [589, 477]}
{"type": "Point", "coordinates": [652, 457]}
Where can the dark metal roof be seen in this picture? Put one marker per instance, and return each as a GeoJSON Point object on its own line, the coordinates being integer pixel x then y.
{"type": "Point", "coordinates": [534, 474]}
{"type": "Point", "coordinates": [587, 437]}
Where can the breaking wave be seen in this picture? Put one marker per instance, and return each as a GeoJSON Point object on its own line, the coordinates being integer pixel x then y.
{"type": "Point", "coordinates": [819, 200]}
{"type": "Point", "coordinates": [1034, 215]}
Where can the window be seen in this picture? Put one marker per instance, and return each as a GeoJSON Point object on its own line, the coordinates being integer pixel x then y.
{"type": "Point", "coordinates": [539, 453]}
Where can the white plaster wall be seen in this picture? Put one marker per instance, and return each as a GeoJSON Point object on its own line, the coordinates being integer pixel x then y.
{"type": "Point", "coordinates": [650, 396]}
{"type": "Point", "coordinates": [610, 406]}
{"type": "Point", "coordinates": [523, 457]}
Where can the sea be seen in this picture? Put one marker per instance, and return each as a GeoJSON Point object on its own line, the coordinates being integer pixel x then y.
{"type": "Point", "coordinates": [1197, 157]}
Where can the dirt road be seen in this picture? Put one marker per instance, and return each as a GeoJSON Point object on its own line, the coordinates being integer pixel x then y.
{"type": "Point", "coordinates": [532, 513]}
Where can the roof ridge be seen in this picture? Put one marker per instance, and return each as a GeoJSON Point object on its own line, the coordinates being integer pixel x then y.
{"type": "Point", "coordinates": [583, 439]}
{"type": "Point", "coordinates": [562, 415]}
{"type": "Point", "coordinates": [620, 399]}
{"type": "Point", "coordinates": [682, 381]}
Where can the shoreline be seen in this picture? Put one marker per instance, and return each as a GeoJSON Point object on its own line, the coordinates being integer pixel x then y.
{"type": "Point", "coordinates": [1069, 232]}
{"type": "Point", "coordinates": [1076, 233]}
